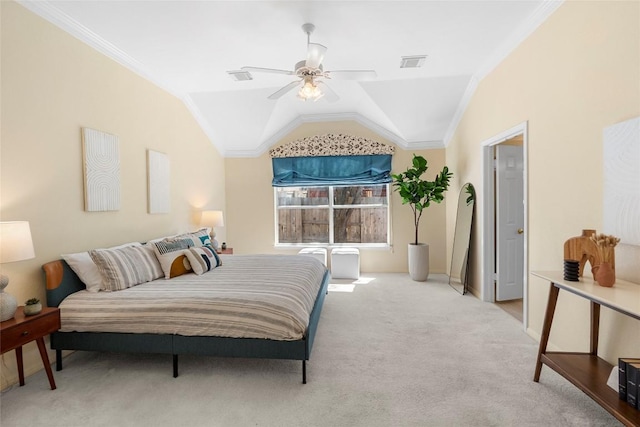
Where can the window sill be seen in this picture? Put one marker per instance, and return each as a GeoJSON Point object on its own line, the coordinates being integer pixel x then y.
{"type": "Point", "coordinates": [367, 246]}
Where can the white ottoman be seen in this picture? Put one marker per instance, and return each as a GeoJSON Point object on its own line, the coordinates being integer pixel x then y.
{"type": "Point", "coordinates": [345, 263]}
{"type": "Point", "coordinates": [319, 253]}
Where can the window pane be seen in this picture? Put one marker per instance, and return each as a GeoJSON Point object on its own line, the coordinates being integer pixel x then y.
{"type": "Point", "coordinates": [300, 196]}
{"type": "Point", "coordinates": [303, 225]}
{"type": "Point", "coordinates": [360, 195]}
{"type": "Point", "coordinates": [360, 225]}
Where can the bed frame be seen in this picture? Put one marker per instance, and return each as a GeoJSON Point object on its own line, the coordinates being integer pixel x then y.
{"type": "Point", "coordinates": [62, 281]}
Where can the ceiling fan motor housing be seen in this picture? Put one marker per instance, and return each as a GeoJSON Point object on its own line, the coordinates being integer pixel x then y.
{"type": "Point", "coordinates": [302, 70]}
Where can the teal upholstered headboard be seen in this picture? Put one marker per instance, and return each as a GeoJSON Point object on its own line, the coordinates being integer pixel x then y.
{"type": "Point", "coordinates": [61, 281]}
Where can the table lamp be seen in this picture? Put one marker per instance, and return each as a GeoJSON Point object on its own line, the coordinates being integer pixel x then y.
{"type": "Point", "coordinates": [15, 245]}
{"type": "Point", "coordinates": [212, 219]}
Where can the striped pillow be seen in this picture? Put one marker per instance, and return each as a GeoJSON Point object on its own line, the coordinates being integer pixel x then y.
{"type": "Point", "coordinates": [126, 267]}
{"type": "Point", "coordinates": [203, 259]}
{"type": "Point", "coordinates": [172, 256]}
{"type": "Point", "coordinates": [82, 264]}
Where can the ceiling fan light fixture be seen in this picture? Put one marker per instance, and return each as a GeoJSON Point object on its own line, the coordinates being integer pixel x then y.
{"type": "Point", "coordinates": [309, 91]}
{"type": "Point", "coordinates": [240, 75]}
{"type": "Point", "coordinates": [310, 74]}
{"type": "Point", "coordinates": [415, 61]}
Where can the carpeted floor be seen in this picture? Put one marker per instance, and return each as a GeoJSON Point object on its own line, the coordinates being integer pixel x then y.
{"type": "Point", "coordinates": [389, 352]}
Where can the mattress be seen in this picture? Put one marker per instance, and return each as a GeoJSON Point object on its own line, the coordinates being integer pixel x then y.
{"type": "Point", "coordinates": [249, 296]}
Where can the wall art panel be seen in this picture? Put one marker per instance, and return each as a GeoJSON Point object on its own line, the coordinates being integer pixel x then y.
{"type": "Point", "coordinates": [621, 213]}
{"type": "Point", "coordinates": [101, 171]}
{"type": "Point", "coordinates": [158, 181]}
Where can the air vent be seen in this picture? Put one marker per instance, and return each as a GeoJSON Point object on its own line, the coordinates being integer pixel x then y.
{"type": "Point", "coordinates": [240, 76]}
{"type": "Point", "coordinates": [415, 61]}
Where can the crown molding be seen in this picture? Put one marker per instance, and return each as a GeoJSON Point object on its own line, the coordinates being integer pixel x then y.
{"type": "Point", "coordinates": [524, 30]}
{"type": "Point", "coordinates": [462, 107]}
{"type": "Point", "coordinates": [202, 122]}
{"type": "Point", "coordinates": [51, 13]}
{"type": "Point", "coordinates": [539, 15]}
{"type": "Point", "coordinates": [333, 117]}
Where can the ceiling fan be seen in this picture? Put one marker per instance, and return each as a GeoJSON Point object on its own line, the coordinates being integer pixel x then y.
{"type": "Point", "coordinates": [310, 73]}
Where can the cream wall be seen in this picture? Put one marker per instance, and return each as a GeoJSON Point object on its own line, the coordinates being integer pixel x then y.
{"type": "Point", "coordinates": [52, 85]}
{"type": "Point", "coordinates": [250, 225]}
{"type": "Point", "coordinates": [578, 73]}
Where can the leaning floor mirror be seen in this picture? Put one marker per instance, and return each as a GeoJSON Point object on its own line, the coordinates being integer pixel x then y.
{"type": "Point", "coordinates": [458, 276]}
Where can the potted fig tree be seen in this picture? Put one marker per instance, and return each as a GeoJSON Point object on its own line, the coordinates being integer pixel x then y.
{"type": "Point", "coordinates": [419, 193]}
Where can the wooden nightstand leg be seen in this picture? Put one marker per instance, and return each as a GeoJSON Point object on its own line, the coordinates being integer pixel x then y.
{"type": "Point", "coordinates": [45, 362]}
{"type": "Point", "coordinates": [546, 328]}
{"type": "Point", "coordinates": [595, 327]}
{"type": "Point", "coordinates": [20, 365]}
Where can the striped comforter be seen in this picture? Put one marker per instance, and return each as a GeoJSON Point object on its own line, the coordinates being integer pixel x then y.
{"type": "Point", "coordinates": [251, 296]}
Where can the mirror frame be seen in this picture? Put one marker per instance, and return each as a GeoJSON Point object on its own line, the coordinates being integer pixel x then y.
{"type": "Point", "coordinates": [462, 239]}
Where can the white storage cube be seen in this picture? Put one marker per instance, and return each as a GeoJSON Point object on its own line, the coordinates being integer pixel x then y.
{"type": "Point", "coordinates": [318, 253]}
{"type": "Point", "coordinates": [345, 263]}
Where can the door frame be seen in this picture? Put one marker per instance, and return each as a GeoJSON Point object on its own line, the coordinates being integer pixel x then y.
{"type": "Point", "coordinates": [488, 213]}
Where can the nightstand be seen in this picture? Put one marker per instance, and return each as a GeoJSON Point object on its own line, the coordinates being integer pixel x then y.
{"type": "Point", "coordinates": [16, 332]}
{"type": "Point", "coordinates": [228, 251]}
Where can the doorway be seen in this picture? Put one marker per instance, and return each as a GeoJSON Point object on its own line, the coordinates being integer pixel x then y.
{"type": "Point", "coordinates": [505, 237]}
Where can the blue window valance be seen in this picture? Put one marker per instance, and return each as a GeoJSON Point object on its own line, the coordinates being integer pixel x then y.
{"type": "Point", "coordinates": [331, 170]}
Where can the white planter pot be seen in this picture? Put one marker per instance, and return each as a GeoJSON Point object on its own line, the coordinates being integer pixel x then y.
{"type": "Point", "coordinates": [30, 310]}
{"type": "Point", "coordinates": [419, 262]}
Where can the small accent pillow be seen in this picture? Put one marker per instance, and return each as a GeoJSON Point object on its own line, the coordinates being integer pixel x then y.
{"type": "Point", "coordinates": [203, 259]}
{"type": "Point", "coordinates": [126, 267]}
{"type": "Point", "coordinates": [199, 238]}
{"type": "Point", "coordinates": [82, 264]}
{"type": "Point", "coordinates": [172, 256]}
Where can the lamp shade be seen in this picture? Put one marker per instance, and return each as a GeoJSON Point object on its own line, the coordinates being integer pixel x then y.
{"type": "Point", "coordinates": [15, 241]}
{"type": "Point", "coordinates": [212, 219]}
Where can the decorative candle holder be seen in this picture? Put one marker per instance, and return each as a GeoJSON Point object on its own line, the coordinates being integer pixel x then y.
{"type": "Point", "coordinates": [571, 270]}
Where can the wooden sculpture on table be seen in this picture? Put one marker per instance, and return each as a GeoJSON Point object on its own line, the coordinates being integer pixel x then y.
{"type": "Point", "coordinates": [582, 249]}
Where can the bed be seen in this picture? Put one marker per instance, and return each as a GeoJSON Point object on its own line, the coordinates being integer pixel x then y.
{"type": "Point", "coordinates": [232, 311]}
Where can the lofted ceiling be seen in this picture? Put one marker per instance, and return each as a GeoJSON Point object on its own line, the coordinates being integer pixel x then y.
{"type": "Point", "coordinates": [187, 47]}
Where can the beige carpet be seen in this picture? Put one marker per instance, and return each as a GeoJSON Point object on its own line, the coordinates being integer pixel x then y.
{"type": "Point", "coordinates": [389, 352]}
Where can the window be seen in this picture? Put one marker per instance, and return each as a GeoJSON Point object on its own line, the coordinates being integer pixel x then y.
{"type": "Point", "coordinates": [353, 215]}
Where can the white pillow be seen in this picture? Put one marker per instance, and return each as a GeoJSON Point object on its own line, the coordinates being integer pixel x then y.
{"type": "Point", "coordinates": [172, 256]}
{"type": "Point", "coordinates": [203, 259]}
{"type": "Point", "coordinates": [87, 270]}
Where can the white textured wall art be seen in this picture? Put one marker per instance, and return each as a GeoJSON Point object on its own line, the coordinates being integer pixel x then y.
{"type": "Point", "coordinates": [158, 181]}
{"type": "Point", "coordinates": [621, 214]}
{"type": "Point", "coordinates": [101, 171]}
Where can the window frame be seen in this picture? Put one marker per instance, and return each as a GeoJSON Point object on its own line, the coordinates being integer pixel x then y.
{"type": "Point", "coordinates": [331, 206]}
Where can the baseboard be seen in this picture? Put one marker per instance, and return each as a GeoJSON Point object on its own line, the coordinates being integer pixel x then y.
{"type": "Point", "coordinates": [536, 336]}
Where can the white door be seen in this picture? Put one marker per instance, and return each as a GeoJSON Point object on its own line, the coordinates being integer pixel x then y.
{"type": "Point", "coordinates": [509, 222]}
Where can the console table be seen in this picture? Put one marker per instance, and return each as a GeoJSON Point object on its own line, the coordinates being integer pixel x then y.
{"type": "Point", "coordinates": [587, 371]}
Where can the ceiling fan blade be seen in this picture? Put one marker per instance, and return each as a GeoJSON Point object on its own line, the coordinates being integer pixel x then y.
{"type": "Point", "coordinates": [277, 94]}
{"type": "Point", "coordinates": [329, 94]}
{"type": "Point", "coordinates": [268, 70]}
{"type": "Point", "coordinates": [315, 55]}
{"type": "Point", "coordinates": [351, 74]}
